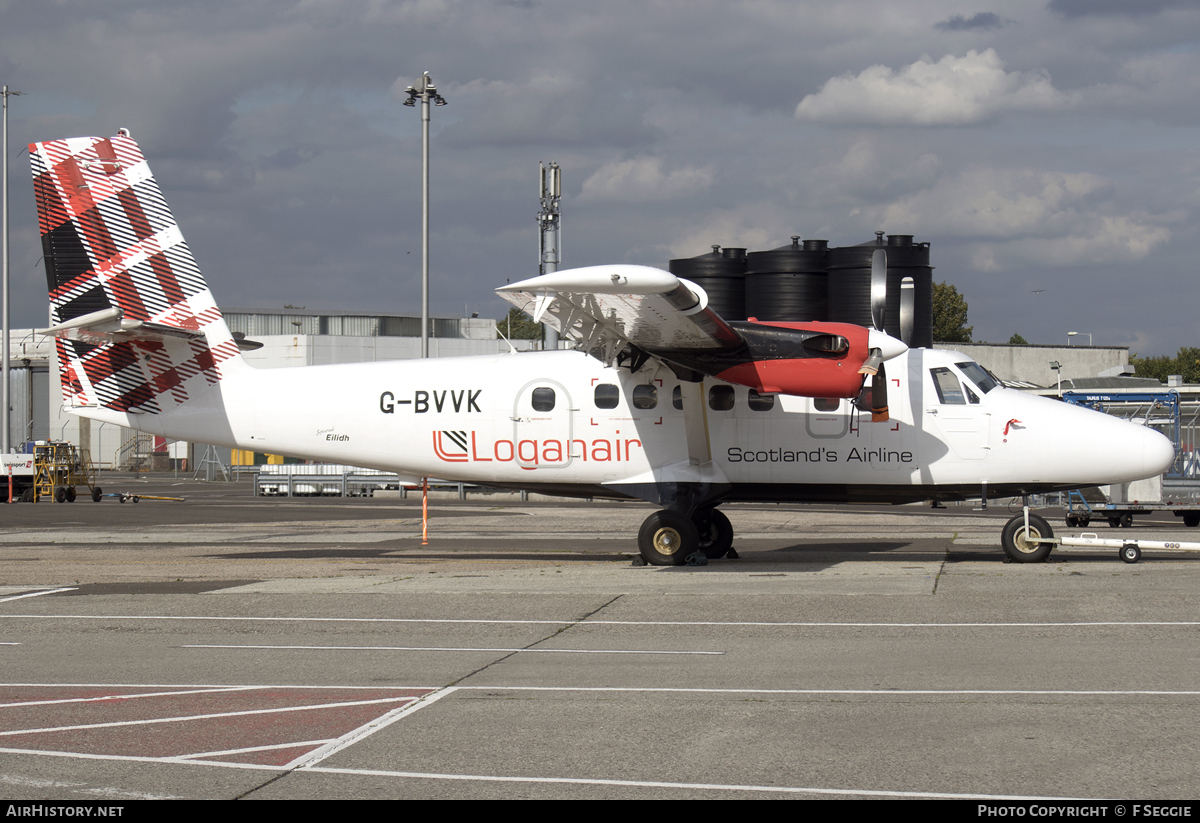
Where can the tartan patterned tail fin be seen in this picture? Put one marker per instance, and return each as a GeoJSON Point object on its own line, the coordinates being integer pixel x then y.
{"type": "Point", "coordinates": [138, 330]}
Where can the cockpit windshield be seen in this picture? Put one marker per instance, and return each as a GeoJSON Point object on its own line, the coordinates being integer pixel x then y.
{"type": "Point", "coordinates": [978, 375]}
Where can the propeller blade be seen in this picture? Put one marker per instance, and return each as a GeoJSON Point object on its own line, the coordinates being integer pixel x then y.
{"type": "Point", "coordinates": [872, 363]}
{"type": "Point", "coordinates": [879, 400]}
{"type": "Point", "coordinates": [908, 299]}
{"type": "Point", "coordinates": [878, 287]}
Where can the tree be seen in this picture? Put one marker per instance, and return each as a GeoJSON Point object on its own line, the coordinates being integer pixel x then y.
{"type": "Point", "coordinates": [517, 325]}
{"type": "Point", "coordinates": [1017, 340]}
{"type": "Point", "coordinates": [1186, 362]}
{"type": "Point", "coordinates": [950, 315]}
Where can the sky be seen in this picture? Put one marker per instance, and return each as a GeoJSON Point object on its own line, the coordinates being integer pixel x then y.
{"type": "Point", "coordinates": [1048, 151]}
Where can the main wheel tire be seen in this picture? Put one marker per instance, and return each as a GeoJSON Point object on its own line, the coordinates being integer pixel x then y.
{"type": "Point", "coordinates": [667, 538]}
{"type": "Point", "coordinates": [715, 534]}
{"type": "Point", "coordinates": [1131, 553]}
{"type": "Point", "coordinates": [1016, 545]}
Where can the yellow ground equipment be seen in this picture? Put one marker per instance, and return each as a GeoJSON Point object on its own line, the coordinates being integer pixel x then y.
{"type": "Point", "coordinates": [58, 469]}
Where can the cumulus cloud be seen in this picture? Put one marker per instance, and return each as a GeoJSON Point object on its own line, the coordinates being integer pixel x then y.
{"type": "Point", "coordinates": [642, 179]}
{"type": "Point", "coordinates": [871, 169]}
{"type": "Point", "coordinates": [998, 203]}
{"type": "Point", "coordinates": [954, 91]}
{"type": "Point", "coordinates": [1051, 219]}
{"type": "Point", "coordinates": [1100, 240]}
{"type": "Point", "coordinates": [752, 226]}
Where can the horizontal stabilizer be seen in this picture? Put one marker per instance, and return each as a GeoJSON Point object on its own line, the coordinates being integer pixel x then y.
{"type": "Point", "coordinates": [111, 325]}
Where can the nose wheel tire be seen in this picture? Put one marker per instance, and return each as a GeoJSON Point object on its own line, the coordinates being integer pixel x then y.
{"type": "Point", "coordinates": [667, 538]}
{"type": "Point", "coordinates": [1015, 539]}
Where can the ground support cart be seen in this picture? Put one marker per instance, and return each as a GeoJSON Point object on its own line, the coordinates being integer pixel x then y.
{"type": "Point", "coordinates": [1085, 505]}
{"type": "Point", "coordinates": [1028, 538]}
{"type": "Point", "coordinates": [58, 469]}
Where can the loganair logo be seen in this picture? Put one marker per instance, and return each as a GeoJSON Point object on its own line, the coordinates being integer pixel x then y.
{"type": "Point", "coordinates": [451, 446]}
{"type": "Point", "coordinates": [467, 447]}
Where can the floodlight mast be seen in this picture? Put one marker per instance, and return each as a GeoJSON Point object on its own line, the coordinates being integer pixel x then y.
{"type": "Point", "coordinates": [5, 400]}
{"type": "Point", "coordinates": [427, 91]}
{"type": "Point", "coordinates": [549, 240]}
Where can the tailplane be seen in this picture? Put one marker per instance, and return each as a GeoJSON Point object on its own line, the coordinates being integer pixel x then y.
{"type": "Point", "coordinates": [137, 328]}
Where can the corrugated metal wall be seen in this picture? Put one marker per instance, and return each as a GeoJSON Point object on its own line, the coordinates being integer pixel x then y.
{"type": "Point", "coordinates": [260, 324]}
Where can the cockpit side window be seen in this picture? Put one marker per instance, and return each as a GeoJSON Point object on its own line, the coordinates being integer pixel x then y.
{"type": "Point", "coordinates": [948, 388]}
{"type": "Point", "coordinates": [978, 375]}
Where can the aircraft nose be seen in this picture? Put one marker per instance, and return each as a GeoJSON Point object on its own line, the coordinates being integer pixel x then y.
{"type": "Point", "coordinates": [1158, 453]}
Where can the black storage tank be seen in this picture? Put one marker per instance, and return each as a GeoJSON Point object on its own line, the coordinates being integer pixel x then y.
{"type": "Point", "coordinates": [788, 283]}
{"type": "Point", "coordinates": [850, 285]}
{"type": "Point", "coordinates": [722, 274]}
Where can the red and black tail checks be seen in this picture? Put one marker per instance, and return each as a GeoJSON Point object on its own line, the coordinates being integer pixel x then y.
{"type": "Point", "coordinates": [110, 241]}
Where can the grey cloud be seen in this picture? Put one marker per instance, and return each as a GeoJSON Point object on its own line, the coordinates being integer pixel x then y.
{"type": "Point", "coordinates": [1129, 8]}
{"type": "Point", "coordinates": [981, 20]}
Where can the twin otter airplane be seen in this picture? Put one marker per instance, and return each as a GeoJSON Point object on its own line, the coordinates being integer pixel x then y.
{"type": "Point", "coordinates": [662, 400]}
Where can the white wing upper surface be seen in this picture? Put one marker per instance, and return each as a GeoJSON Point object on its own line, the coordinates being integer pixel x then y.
{"type": "Point", "coordinates": [605, 307]}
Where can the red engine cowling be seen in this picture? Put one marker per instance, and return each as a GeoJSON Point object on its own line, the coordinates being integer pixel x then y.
{"type": "Point", "coordinates": [804, 359]}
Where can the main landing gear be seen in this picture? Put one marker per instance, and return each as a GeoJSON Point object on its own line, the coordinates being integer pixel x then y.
{"type": "Point", "coordinates": [668, 538]}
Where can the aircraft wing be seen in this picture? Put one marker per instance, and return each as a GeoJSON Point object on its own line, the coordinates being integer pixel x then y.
{"type": "Point", "coordinates": [606, 307]}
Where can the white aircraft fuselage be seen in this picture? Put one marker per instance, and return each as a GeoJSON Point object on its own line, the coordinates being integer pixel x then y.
{"type": "Point", "coordinates": [603, 431]}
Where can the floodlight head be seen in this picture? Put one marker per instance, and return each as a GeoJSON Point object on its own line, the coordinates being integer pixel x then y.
{"type": "Point", "coordinates": [411, 101]}
{"type": "Point", "coordinates": [438, 100]}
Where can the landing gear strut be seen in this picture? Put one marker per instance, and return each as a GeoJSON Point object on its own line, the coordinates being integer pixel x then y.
{"type": "Point", "coordinates": [668, 538]}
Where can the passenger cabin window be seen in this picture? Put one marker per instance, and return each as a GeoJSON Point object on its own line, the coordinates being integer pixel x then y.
{"type": "Point", "coordinates": [720, 398]}
{"type": "Point", "coordinates": [761, 402]}
{"type": "Point", "coordinates": [543, 399]}
{"type": "Point", "coordinates": [607, 395]}
{"type": "Point", "coordinates": [645, 397]}
{"type": "Point", "coordinates": [826, 404]}
{"type": "Point", "coordinates": [677, 397]}
{"type": "Point", "coordinates": [948, 388]}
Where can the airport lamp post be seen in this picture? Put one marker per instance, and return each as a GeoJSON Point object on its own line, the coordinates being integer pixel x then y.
{"type": "Point", "coordinates": [5, 401]}
{"type": "Point", "coordinates": [425, 93]}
